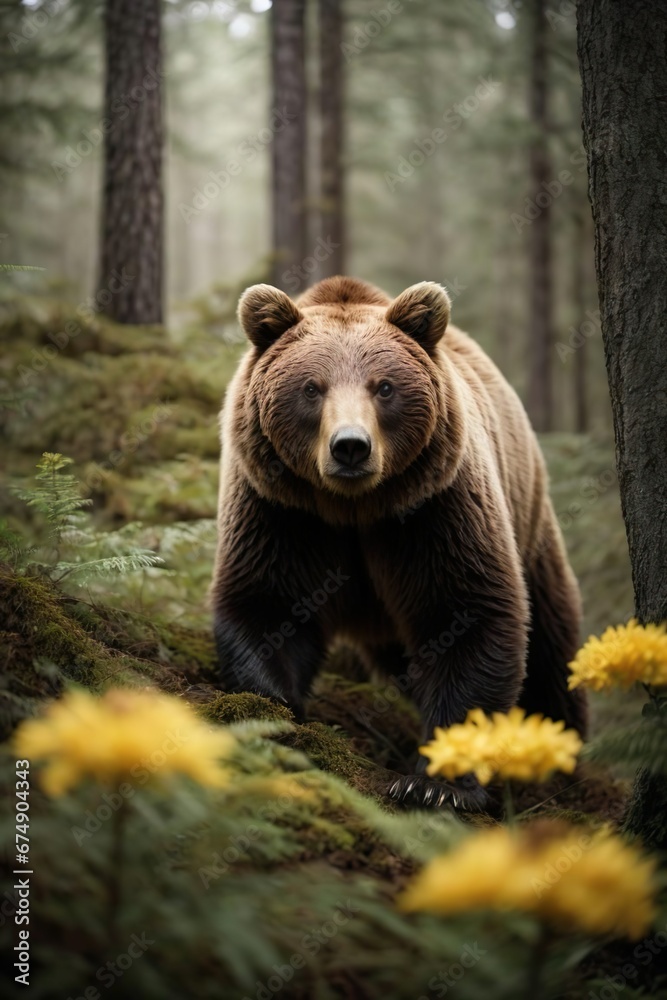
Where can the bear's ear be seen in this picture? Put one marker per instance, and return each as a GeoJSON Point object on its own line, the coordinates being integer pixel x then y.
{"type": "Point", "coordinates": [421, 311]}
{"type": "Point", "coordinates": [265, 313]}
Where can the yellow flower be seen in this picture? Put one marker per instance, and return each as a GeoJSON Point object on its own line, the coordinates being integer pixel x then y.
{"type": "Point", "coordinates": [622, 655]}
{"type": "Point", "coordinates": [508, 746]}
{"type": "Point", "coordinates": [610, 890]}
{"type": "Point", "coordinates": [570, 879]}
{"type": "Point", "coordinates": [124, 735]}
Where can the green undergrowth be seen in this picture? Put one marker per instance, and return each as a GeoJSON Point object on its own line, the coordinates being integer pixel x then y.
{"type": "Point", "coordinates": [51, 639]}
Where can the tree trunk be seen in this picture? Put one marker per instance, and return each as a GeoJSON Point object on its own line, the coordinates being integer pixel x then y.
{"type": "Point", "coordinates": [540, 389]}
{"type": "Point", "coordinates": [624, 74]}
{"type": "Point", "coordinates": [331, 215]}
{"type": "Point", "coordinates": [580, 360]}
{"type": "Point", "coordinates": [130, 288]}
{"type": "Point", "coordinates": [289, 144]}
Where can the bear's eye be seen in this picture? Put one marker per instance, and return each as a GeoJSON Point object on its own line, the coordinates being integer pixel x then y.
{"type": "Point", "coordinates": [310, 390]}
{"type": "Point", "coordinates": [385, 389]}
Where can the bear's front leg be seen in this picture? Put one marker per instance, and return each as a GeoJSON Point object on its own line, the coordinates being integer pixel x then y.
{"type": "Point", "coordinates": [470, 655]}
{"type": "Point", "coordinates": [268, 558]}
{"type": "Point", "coordinates": [263, 650]}
{"type": "Point", "coordinates": [453, 584]}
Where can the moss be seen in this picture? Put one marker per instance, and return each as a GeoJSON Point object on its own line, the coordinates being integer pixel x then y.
{"type": "Point", "coordinates": [41, 323]}
{"type": "Point", "coordinates": [50, 638]}
{"type": "Point", "coordinates": [183, 490]}
{"type": "Point", "coordinates": [385, 729]}
{"type": "Point", "coordinates": [332, 752]}
{"type": "Point", "coordinates": [184, 650]}
{"type": "Point", "coordinates": [36, 610]}
{"type": "Point", "coordinates": [191, 650]}
{"type": "Point", "coordinates": [231, 708]}
{"type": "Point", "coordinates": [147, 402]}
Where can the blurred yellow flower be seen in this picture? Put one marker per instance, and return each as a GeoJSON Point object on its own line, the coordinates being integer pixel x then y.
{"type": "Point", "coordinates": [124, 735]}
{"type": "Point", "coordinates": [508, 746]}
{"type": "Point", "coordinates": [610, 890]}
{"type": "Point", "coordinates": [621, 656]}
{"type": "Point", "coordinates": [567, 877]}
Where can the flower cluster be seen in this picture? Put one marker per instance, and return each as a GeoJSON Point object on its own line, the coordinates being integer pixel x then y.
{"type": "Point", "coordinates": [622, 655]}
{"type": "Point", "coordinates": [508, 746]}
{"type": "Point", "coordinates": [119, 735]}
{"type": "Point", "coordinates": [569, 879]}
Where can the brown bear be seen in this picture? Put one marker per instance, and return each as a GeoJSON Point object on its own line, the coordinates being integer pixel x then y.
{"type": "Point", "coordinates": [381, 483]}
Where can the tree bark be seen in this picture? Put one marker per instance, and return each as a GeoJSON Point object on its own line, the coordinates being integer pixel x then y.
{"type": "Point", "coordinates": [580, 361]}
{"type": "Point", "coordinates": [131, 269]}
{"type": "Point", "coordinates": [289, 144]}
{"type": "Point", "coordinates": [540, 387]}
{"type": "Point", "coordinates": [331, 215]}
{"type": "Point", "coordinates": [624, 75]}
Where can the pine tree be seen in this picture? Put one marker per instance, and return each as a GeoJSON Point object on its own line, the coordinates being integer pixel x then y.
{"type": "Point", "coordinates": [130, 283]}
{"type": "Point", "coordinates": [540, 387]}
{"type": "Point", "coordinates": [289, 144]}
{"type": "Point", "coordinates": [331, 216]}
{"type": "Point", "coordinates": [625, 134]}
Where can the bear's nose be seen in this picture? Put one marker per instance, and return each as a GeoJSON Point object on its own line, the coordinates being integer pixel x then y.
{"type": "Point", "coordinates": [350, 446]}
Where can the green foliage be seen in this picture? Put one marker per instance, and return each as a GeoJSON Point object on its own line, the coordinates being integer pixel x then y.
{"type": "Point", "coordinates": [584, 489]}
{"type": "Point", "coordinates": [20, 267]}
{"type": "Point", "coordinates": [56, 496]}
{"type": "Point", "coordinates": [640, 745]}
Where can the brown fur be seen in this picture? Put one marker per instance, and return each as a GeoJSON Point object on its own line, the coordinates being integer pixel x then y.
{"type": "Point", "coordinates": [450, 565]}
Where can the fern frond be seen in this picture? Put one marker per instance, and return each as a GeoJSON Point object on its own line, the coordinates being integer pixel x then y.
{"type": "Point", "coordinates": [55, 494]}
{"type": "Point", "coordinates": [21, 267]}
{"type": "Point", "coordinates": [110, 565]}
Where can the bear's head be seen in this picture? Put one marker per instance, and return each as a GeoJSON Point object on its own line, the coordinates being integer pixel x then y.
{"type": "Point", "coordinates": [347, 388]}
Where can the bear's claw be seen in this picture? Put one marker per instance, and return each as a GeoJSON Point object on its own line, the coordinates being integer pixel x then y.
{"type": "Point", "coordinates": [419, 791]}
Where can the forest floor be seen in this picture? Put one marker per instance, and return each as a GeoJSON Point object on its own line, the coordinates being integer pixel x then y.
{"type": "Point", "coordinates": [137, 413]}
